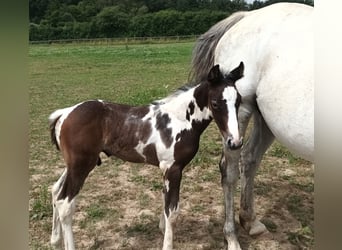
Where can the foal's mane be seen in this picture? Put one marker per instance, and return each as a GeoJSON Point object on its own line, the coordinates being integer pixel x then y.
{"type": "Point", "coordinates": [175, 94]}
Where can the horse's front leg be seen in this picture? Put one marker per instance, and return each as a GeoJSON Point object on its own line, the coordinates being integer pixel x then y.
{"type": "Point", "coordinates": [260, 139]}
{"type": "Point", "coordinates": [172, 179]}
{"type": "Point", "coordinates": [229, 167]}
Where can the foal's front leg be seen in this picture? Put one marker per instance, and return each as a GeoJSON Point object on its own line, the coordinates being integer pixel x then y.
{"type": "Point", "coordinates": [229, 167]}
{"type": "Point", "coordinates": [172, 179]}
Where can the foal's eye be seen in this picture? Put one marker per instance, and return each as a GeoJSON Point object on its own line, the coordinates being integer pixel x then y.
{"type": "Point", "coordinates": [214, 104]}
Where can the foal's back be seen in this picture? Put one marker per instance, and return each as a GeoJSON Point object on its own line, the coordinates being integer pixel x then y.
{"type": "Point", "coordinates": [95, 126]}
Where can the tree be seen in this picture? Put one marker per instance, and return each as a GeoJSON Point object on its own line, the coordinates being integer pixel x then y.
{"type": "Point", "coordinates": [37, 9]}
{"type": "Point", "coordinates": [111, 22]}
{"type": "Point", "coordinates": [157, 5]}
{"type": "Point", "coordinates": [59, 19]}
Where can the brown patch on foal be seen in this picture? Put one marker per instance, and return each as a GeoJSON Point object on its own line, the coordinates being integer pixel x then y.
{"type": "Point", "coordinates": [124, 130]}
{"type": "Point", "coordinates": [165, 132]}
{"type": "Point", "coordinates": [150, 153]}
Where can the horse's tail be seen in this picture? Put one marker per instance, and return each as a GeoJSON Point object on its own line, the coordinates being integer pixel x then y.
{"type": "Point", "coordinates": [204, 51]}
{"type": "Point", "coordinates": [53, 118]}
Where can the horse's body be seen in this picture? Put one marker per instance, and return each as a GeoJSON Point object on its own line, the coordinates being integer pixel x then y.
{"type": "Point", "coordinates": [165, 133]}
{"type": "Point", "coordinates": [276, 44]}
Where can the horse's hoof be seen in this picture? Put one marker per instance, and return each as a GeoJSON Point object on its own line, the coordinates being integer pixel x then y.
{"type": "Point", "coordinates": [257, 228]}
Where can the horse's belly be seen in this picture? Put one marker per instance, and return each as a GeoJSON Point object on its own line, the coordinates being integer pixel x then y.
{"type": "Point", "coordinates": [288, 110]}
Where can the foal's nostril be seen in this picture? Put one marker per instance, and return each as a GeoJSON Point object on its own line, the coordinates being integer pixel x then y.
{"type": "Point", "coordinates": [229, 142]}
{"type": "Point", "coordinates": [231, 145]}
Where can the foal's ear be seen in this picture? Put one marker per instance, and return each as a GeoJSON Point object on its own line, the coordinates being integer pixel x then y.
{"type": "Point", "coordinates": [237, 73]}
{"type": "Point", "coordinates": [214, 74]}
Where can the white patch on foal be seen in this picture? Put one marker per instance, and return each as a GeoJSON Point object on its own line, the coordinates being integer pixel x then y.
{"type": "Point", "coordinates": [230, 95]}
{"type": "Point", "coordinates": [66, 210]}
{"type": "Point", "coordinates": [56, 234]}
{"type": "Point", "coordinates": [174, 108]}
{"type": "Point", "coordinates": [169, 221]}
{"type": "Point", "coordinates": [63, 211]}
{"type": "Point", "coordinates": [167, 185]}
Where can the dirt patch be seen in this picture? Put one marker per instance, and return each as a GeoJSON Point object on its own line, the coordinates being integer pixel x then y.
{"type": "Point", "coordinates": [120, 205]}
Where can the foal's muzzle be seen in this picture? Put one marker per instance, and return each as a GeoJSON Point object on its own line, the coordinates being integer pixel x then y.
{"type": "Point", "coordinates": [234, 144]}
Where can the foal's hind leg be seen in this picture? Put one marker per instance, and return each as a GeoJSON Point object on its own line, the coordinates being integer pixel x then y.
{"type": "Point", "coordinates": [56, 234]}
{"type": "Point", "coordinates": [76, 173]}
{"type": "Point", "coordinates": [66, 209]}
{"type": "Point", "coordinates": [260, 139]}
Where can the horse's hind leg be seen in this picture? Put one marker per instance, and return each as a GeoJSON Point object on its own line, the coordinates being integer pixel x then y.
{"type": "Point", "coordinates": [260, 139]}
{"type": "Point", "coordinates": [76, 173]}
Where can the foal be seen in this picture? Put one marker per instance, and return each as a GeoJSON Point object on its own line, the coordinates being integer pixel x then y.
{"type": "Point", "coordinates": [165, 133]}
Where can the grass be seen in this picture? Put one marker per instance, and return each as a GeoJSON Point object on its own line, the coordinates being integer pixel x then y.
{"type": "Point", "coordinates": [280, 151]}
{"type": "Point", "coordinates": [41, 205]}
{"type": "Point", "coordinates": [107, 211]}
{"type": "Point", "coordinates": [302, 237]}
{"type": "Point", "coordinates": [95, 212]}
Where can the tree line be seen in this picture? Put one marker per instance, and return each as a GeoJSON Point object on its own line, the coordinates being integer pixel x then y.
{"type": "Point", "coordinates": [77, 19]}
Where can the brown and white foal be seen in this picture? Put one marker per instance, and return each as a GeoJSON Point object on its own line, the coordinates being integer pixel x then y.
{"type": "Point", "coordinates": [165, 133]}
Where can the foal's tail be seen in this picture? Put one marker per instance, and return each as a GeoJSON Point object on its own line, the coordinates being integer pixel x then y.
{"type": "Point", "coordinates": [204, 51]}
{"type": "Point", "coordinates": [53, 118]}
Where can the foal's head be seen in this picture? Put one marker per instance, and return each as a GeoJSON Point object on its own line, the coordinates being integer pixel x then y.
{"type": "Point", "coordinates": [224, 101]}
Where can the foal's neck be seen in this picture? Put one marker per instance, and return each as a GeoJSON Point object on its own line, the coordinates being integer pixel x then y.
{"type": "Point", "coordinates": [190, 106]}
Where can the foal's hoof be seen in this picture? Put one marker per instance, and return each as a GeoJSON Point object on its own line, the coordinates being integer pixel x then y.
{"type": "Point", "coordinates": [56, 242]}
{"type": "Point", "coordinates": [257, 228]}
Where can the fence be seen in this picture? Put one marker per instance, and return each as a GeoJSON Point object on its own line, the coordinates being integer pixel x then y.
{"type": "Point", "coordinates": [122, 40]}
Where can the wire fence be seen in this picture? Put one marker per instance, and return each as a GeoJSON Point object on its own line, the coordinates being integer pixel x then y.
{"type": "Point", "coordinates": [121, 40]}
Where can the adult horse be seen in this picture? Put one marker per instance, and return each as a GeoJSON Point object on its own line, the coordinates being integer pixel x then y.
{"type": "Point", "coordinates": [276, 44]}
{"type": "Point", "coordinates": [165, 133]}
